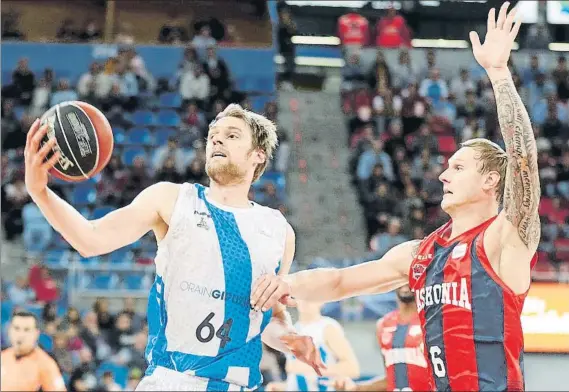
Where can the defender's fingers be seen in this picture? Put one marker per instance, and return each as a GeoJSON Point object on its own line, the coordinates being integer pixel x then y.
{"type": "Point", "coordinates": [52, 161]}
{"type": "Point", "coordinates": [45, 149]}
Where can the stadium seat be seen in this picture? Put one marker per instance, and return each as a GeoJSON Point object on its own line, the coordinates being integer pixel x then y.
{"type": "Point", "coordinates": [140, 136]}
{"type": "Point", "coordinates": [36, 309]}
{"type": "Point", "coordinates": [83, 194]}
{"type": "Point", "coordinates": [120, 373]}
{"type": "Point", "coordinates": [6, 77]}
{"type": "Point", "coordinates": [119, 136]}
{"type": "Point", "coordinates": [264, 85]}
{"type": "Point", "coordinates": [56, 258]}
{"type": "Point", "coordinates": [133, 282]}
{"type": "Point", "coordinates": [168, 118]}
{"type": "Point", "coordinates": [90, 260]}
{"type": "Point", "coordinates": [6, 308]}
{"type": "Point", "coordinates": [122, 255]}
{"type": "Point", "coordinates": [130, 153]}
{"type": "Point", "coordinates": [546, 206]}
{"type": "Point", "coordinates": [143, 118]}
{"type": "Point", "coordinates": [46, 342]}
{"type": "Point", "coordinates": [101, 211]}
{"type": "Point", "coordinates": [102, 281]}
{"type": "Point", "coordinates": [170, 100]}
{"type": "Point", "coordinates": [162, 135]}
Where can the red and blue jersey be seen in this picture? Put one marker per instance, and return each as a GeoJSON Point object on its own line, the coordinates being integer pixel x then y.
{"type": "Point", "coordinates": [470, 318]}
{"type": "Point", "coordinates": [401, 343]}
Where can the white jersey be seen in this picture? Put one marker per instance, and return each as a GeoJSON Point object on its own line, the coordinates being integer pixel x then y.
{"type": "Point", "coordinates": [316, 330]}
{"type": "Point", "coordinates": [199, 314]}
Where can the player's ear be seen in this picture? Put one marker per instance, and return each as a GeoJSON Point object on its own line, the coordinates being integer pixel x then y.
{"type": "Point", "coordinates": [491, 180]}
{"type": "Point", "coordinates": [260, 156]}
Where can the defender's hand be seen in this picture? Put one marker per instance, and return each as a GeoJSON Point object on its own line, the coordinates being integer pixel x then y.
{"type": "Point", "coordinates": [500, 37]}
{"type": "Point", "coordinates": [36, 166]}
{"type": "Point", "coordinates": [303, 348]}
{"type": "Point", "coordinates": [270, 289]}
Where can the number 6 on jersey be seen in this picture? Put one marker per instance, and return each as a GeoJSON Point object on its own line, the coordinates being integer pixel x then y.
{"type": "Point", "coordinates": [437, 361]}
{"type": "Point", "coordinates": [207, 329]}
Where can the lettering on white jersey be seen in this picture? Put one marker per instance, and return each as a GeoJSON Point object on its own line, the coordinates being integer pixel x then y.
{"type": "Point", "coordinates": [204, 291]}
{"type": "Point", "coordinates": [407, 355]}
{"type": "Point", "coordinates": [451, 293]}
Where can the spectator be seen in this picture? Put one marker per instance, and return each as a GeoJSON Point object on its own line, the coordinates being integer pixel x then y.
{"type": "Point", "coordinates": [105, 80]}
{"type": "Point", "coordinates": [372, 157]}
{"type": "Point", "coordinates": [64, 93]}
{"type": "Point", "coordinates": [170, 151]}
{"type": "Point", "coordinates": [45, 287]}
{"type": "Point", "coordinates": [538, 36]}
{"type": "Point", "coordinates": [67, 31]}
{"type": "Point", "coordinates": [561, 78]}
{"type": "Point", "coordinates": [71, 319]}
{"type": "Point", "coordinates": [382, 242]}
{"type": "Point", "coordinates": [422, 164]}
{"type": "Point", "coordinates": [203, 40]}
{"type": "Point", "coordinates": [380, 75]}
{"type": "Point", "coordinates": [168, 172]}
{"type": "Point", "coordinates": [129, 307]}
{"type": "Point", "coordinates": [90, 333]}
{"type": "Point", "coordinates": [14, 197]}
{"type": "Point", "coordinates": [195, 172]}
{"type": "Point", "coordinates": [105, 319]}
{"type": "Point", "coordinates": [529, 74]}
{"type": "Point", "coordinates": [195, 120]}
{"type": "Point", "coordinates": [40, 98]}
{"type": "Point", "coordinates": [431, 191]}
{"type": "Point", "coordinates": [434, 88]}
{"type": "Point", "coordinates": [90, 31]}
{"type": "Point", "coordinates": [404, 73]}
{"type": "Point", "coordinates": [414, 110]}
{"type": "Point", "coordinates": [540, 87]}
{"type": "Point", "coordinates": [61, 352]}
{"type": "Point", "coordinates": [138, 179]}
{"type": "Point", "coordinates": [189, 60]}
{"type": "Point", "coordinates": [108, 383]}
{"type": "Point", "coordinates": [353, 31]}
{"type": "Point", "coordinates": [173, 31]}
{"type": "Point", "coordinates": [20, 293]}
{"type": "Point", "coordinates": [83, 377]}
{"type": "Point", "coordinates": [12, 135]}
{"type": "Point", "coordinates": [23, 80]}
{"type": "Point", "coordinates": [461, 85]}
{"type": "Point", "coordinates": [134, 377]}
{"type": "Point", "coordinates": [128, 87]}
{"type": "Point", "coordinates": [392, 31]}
{"type": "Point", "coordinates": [379, 209]}
{"type": "Point", "coordinates": [122, 335]}
{"type": "Point", "coordinates": [10, 30]}
{"type": "Point", "coordinates": [287, 30]}
{"type": "Point", "coordinates": [353, 74]}
{"type": "Point", "coordinates": [87, 84]}
{"type": "Point", "coordinates": [195, 85]}
{"type": "Point", "coordinates": [425, 139]}
{"type": "Point", "coordinates": [368, 187]}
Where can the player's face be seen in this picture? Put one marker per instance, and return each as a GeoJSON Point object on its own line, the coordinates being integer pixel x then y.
{"type": "Point", "coordinates": [462, 180]}
{"type": "Point", "coordinates": [405, 294]}
{"type": "Point", "coordinates": [230, 157]}
{"type": "Point", "coordinates": [23, 334]}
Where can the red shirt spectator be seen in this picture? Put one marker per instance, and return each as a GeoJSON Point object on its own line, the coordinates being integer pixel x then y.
{"type": "Point", "coordinates": [392, 31]}
{"type": "Point", "coordinates": [353, 29]}
{"type": "Point", "coordinates": [43, 284]}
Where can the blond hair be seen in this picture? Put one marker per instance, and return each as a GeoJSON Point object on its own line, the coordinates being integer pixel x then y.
{"type": "Point", "coordinates": [263, 132]}
{"type": "Point", "coordinates": [492, 158]}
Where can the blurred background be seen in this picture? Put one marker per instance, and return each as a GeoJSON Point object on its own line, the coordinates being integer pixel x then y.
{"type": "Point", "coordinates": [370, 97]}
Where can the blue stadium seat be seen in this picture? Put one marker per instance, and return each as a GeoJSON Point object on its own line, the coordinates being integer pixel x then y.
{"type": "Point", "coordinates": [83, 194]}
{"type": "Point", "coordinates": [60, 243]}
{"type": "Point", "coordinates": [101, 211]}
{"type": "Point", "coordinates": [168, 118]}
{"type": "Point", "coordinates": [86, 212]}
{"type": "Point", "coordinates": [161, 135]}
{"type": "Point", "coordinates": [120, 373]}
{"type": "Point", "coordinates": [119, 136]}
{"type": "Point", "coordinates": [143, 118]}
{"type": "Point", "coordinates": [102, 281]}
{"type": "Point", "coordinates": [35, 309]}
{"type": "Point", "coordinates": [122, 255]}
{"type": "Point", "coordinates": [55, 258]}
{"type": "Point", "coordinates": [90, 260]}
{"type": "Point", "coordinates": [264, 84]}
{"type": "Point", "coordinates": [140, 136]}
{"type": "Point", "coordinates": [6, 78]}
{"type": "Point", "coordinates": [133, 282]}
{"type": "Point", "coordinates": [132, 152]}
{"type": "Point", "coordinates": [170, 100]}
{"type": "Point", "coordinates": [241, 83]}
{"type": "Point", "coordinates": [46, 342]}
{"type": "Point", "coordinates": [6, 309]}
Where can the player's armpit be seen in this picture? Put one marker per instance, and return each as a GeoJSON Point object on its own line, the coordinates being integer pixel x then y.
{"type": "Point", "coordinates": [522, 187]}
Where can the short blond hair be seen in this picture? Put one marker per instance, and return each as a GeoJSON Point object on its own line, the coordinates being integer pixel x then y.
{"type": "Point", "coordinates": [492, 158]}
{"type": "Point", "coordinates": [263, 132]}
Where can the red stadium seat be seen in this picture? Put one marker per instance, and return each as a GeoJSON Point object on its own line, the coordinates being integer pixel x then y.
{"type": "Point", "coordinates": [545, 206]}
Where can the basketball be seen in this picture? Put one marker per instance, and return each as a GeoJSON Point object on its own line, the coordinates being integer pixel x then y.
{"type": "Point", "coordinates": [84, 139]}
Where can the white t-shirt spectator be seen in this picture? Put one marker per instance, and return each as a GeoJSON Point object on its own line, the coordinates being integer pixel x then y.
{"type": "Point", "coordinates": [194, 86]}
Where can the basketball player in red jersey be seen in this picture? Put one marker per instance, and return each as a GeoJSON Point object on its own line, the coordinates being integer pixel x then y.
{"type": "Point", "coordinates": [471, 276]}
{"type": "Point", "coordinates": [401, 342]}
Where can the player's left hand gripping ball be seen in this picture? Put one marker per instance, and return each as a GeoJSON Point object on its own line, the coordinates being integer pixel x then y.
{"type": "Point", "coordinates": [303, 348]}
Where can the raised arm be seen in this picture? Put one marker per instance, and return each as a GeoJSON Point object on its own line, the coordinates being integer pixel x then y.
{"type": "Point", "coordinates": [90, 238]}
{"type": "Point", "coordinates": [332, 284]}
{"type": "Point", "coordinates": [522, 188]}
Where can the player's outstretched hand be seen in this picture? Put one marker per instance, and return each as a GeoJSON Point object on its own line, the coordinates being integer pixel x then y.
{"type": "Point", "coordinates": [268, 290]}
{"type": "Point", "coordinates": [342, 384]}
{"type": "Point", "coordinates": [500, 37]}
{"type": "Point", "coordinates": [304, 349]}
{"type": "Point", "coordinates": [36, 166]}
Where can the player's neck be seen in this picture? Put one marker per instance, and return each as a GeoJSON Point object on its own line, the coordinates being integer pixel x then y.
{"type": "Point", "coordinates": [407, 311]}
{"type": "Point", "coordinates": [233, 195]}
{"type": "Point", "coordinates": [470, 216]}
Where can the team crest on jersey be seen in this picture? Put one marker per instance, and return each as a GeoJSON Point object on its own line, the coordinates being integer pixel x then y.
{"type": "Point", "coordinates": [202, 224]}
{"type": "Point", "coordinates": [418, 270]}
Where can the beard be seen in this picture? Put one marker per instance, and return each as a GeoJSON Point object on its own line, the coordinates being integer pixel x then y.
{"type": "Point", "coordinates": [406, 298]}
{"type": "Point", "coordinates": [224, 173]}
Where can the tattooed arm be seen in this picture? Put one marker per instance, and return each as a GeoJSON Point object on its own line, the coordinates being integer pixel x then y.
{"type": "Point", "coordinates": [522, 187]}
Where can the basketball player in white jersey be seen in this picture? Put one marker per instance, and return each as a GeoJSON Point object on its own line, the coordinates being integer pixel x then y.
{"type": "Point", "coordinates": [335, 350]}
{"type": "Point", "coordinates": [213, 243]}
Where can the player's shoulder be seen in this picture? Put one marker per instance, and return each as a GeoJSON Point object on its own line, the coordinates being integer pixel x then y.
{"type": "Point", "coordinates": [44, 356]}
{"type": "Point", "coordinates": [7, 352]}
{"type": "Point", "coordinates": [389, 318]}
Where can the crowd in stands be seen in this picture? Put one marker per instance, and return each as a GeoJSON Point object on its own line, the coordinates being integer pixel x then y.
{"type": "Point", "coordinates": [404, 121]}
{"type": "Point", "coordinates": [159, 127]}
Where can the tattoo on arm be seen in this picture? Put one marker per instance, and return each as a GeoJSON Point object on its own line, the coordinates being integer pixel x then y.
{"type": "Point", "coordinates": [522, 189]}
{"type": "Point", "coordinates": [415, 244]}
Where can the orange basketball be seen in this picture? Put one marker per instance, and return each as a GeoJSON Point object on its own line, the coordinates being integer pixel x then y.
{"type": "Point", "coordinates": [84, 139]}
